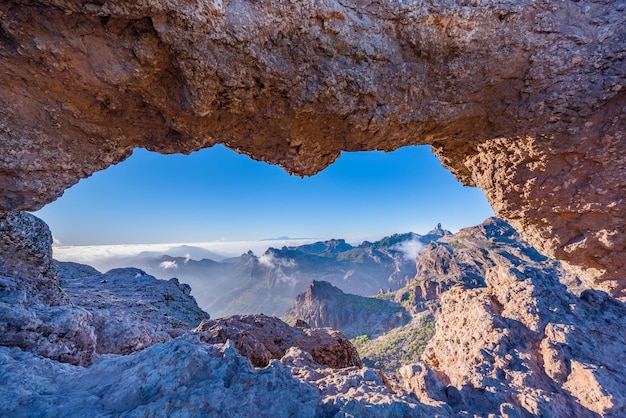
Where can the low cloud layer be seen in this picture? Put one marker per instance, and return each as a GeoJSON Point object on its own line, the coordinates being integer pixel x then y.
{"type": "Point", "coordinates": [410, 249]}
{"type": "Point", "coordinates": [168, 265]}
{"type": "Point", "coordinates": [103, 255]}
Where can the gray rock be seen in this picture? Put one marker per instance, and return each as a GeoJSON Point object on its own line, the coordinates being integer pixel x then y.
{"type": "Point", "coordinates": [26, 247]}
{"type": "Point", "coordinates": [185, 377]}
{"type": "Point", "coordinates": [130, 309]}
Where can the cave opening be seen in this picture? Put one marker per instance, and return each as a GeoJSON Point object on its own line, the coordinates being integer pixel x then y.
{"type": "Point", "coordinates": [216, 214]}
{"type": "Point", "coordinates": [216, 194]}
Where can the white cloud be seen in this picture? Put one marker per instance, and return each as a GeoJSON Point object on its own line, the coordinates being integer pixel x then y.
{"type": "Point", "coordinates": [187, 258]}
{"type": "Point", "coordinates": [281, 276]}
{"type": "Point", "coordinates": [410, 249]}
{"type": "Point", "coordinates": [269, 260]}
{"type": "Point", "coordinates": [277, 264]}
{"type": "Point", "coordinates": [95, 255]}
{"type": "Point", "coordinates": [168, 265]}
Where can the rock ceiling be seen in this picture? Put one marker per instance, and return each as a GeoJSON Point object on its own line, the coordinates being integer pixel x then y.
{"type": "Point", "coordinates": [522, 99]}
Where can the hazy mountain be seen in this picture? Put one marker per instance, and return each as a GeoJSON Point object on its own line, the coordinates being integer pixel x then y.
{"type": "Point", "coordinates": [324, 305]}
{"type": "Point", "coordinates": [184, 252]}
{"type": "Point", "coordinates": [268, 283]}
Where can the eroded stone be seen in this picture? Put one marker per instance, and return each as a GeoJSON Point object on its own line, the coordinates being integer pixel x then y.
{"type": "Point", "coordinates": [524, 100]}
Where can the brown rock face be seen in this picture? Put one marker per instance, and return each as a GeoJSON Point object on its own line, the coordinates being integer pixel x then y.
{"type": "Point", "coordinates": [522, 99]}
{"type": "Point", "coordinates": [323, 305]}
{"type": "Point", "coordinates": [262, 338]}
{"type": "Point", "coordinates": [524, 342]}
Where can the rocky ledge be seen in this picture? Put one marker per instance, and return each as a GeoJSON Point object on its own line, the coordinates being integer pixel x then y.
{"type": "Point", "coordinates": [515, 334]}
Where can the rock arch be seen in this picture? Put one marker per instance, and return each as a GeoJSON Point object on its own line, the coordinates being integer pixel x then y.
{"type": "Point", "coordinates": [522, 99]}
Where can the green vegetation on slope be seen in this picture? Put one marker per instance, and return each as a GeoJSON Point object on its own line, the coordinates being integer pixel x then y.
{"type": "Point", "coordinates": [398, 347]}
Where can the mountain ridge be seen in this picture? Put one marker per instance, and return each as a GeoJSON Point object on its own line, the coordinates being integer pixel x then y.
{"type": "Point", "coordinates": [268, 282]}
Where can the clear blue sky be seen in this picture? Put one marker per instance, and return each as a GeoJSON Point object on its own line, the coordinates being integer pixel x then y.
{"type": "Point", "coordinates": [216, 194]}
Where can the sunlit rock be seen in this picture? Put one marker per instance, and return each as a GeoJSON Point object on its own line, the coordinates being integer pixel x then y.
{"type": "Point", "coordinates": [522, 99]}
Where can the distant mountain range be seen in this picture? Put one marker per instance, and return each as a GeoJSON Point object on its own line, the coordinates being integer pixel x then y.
{"type": "Point", "coordinates": [269, 283]}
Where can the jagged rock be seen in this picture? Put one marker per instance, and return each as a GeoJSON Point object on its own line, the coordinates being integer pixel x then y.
{"type": "Point", "coordinates": [358, 392]}
{"type": "Point", "coordinates": [70, 312]}
{"type": "Point", "coordinates": [301, 324]}
{"type": "Point", "coordinates": [511, 339]}
{"type": "Point", "coordinates": [195, 379]}
{"type": "Point", "coordinates": [44, 322]}
{"type": "Point", "coordinates": [421, 380]}
{"type": "Point", "coordinates": [518, 344]}
{"type": "Point", "coordinates": [69, 270]}
{"type": "Point", "coordinates": [131, 310]}
{"type": "Point", "coordinates": [525, 342]}
{"type": "Point", "coordinates": [464, 258]}
{"type": "Point", "coordinates": [26, 247]}
{"type": "Point", "coordinates": [512, 99]}
{"type": "Point", "coordinates": [324, 305]}
{"type": "Point", "coordinates": [263, 338]}
{"type": "Point", "coordinates": [119, 312]}
{"type": "Point", "coordinates": [35, 314]}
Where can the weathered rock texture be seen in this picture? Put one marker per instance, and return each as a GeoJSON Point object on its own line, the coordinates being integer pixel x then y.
{"type": "Point", "coordinates": [515, 343]}
{"type": "Point", "coordinates": [262, 338]}
{"type": "Point", "coordinates": [71, 312]}
{"type": "Point", "coordinates": [129, 309]}
{"type": "Point", "coordinates": [185, 377]}
{"type": "Point", "coordinates": [522, 99]}
{"type": "Point", "coordinates": [35, 314]}
{"type": "Point", "coordinates": [515, 335]}
{"type": "Point", "coordinates": [26, 248]}
{"type": "Point", "coordinates": [522, 344]}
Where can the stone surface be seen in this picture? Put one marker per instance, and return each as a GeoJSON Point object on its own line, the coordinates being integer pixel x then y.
{"type": "Point", "coordinates": [70, 312]}
{"type": "Point", "coordinates": [421, 380]}
{"type": "Point", "coordinates": [131, 310]}
{"type": "Point", "coordinates": [463, 259]}
{"type": "Point", "coordinates": [43, 321]}
{"type": "Point", "coordinates": [361, 392]}
{"type": "Point", "coordinates": [262, 338]}
{"type": "Point", "coordinates": [185, 377]}
{"type": "Point", "coordinates": [524, 100]}
{"type": "Point", "coordinates": [119, 312]}
{"type": "Point", "coordinates": [525, 342]}
{"type": "Point", "coordinates": [516, 335]}
{"type": "Point", "coordinates": [26, 247]}
{"type": "Point", "coordinates": [35, 314]}
{"type": "Point", "coordinates": [517, 342]}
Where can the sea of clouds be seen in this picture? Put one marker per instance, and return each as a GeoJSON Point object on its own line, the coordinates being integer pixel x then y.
{"type": "Point", "coordinates": [94, 255]}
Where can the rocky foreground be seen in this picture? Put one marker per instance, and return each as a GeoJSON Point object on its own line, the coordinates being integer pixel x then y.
{"type": "Point", "coordinates": [510, 340]}
{"type": "Point", "coordinates": [515, 334]}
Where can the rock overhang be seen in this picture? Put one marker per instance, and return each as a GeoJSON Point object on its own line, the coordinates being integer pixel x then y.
{"type": "Point", "coordinates": [523, 100]}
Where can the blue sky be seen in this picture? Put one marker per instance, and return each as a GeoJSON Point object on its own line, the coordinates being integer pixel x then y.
{"type": "Point", "coordinates": [216, 194]}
